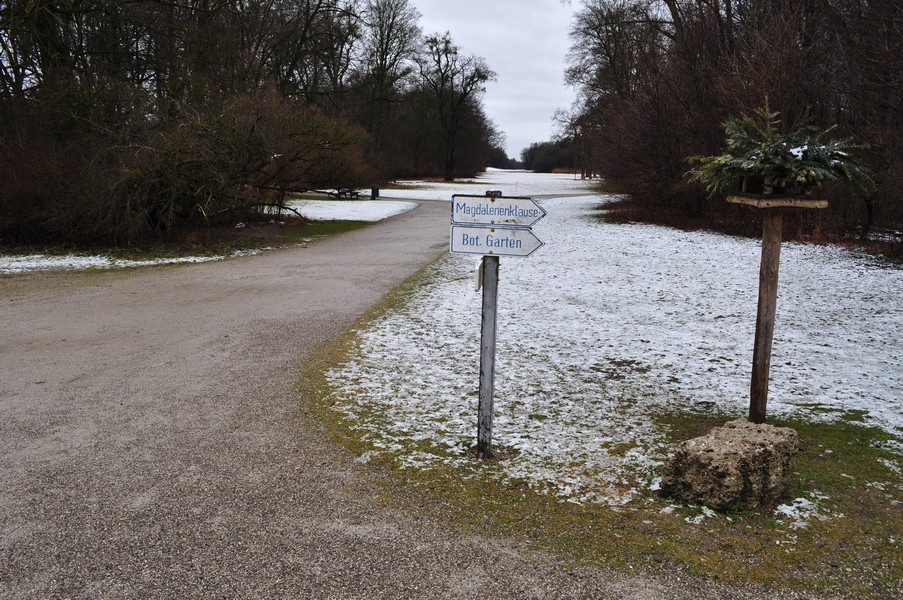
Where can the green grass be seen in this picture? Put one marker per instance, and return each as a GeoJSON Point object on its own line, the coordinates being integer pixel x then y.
{"type": "Point", "coordinates": [851, 552]}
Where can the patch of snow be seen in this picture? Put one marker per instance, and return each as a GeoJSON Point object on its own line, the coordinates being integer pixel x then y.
{"type": "Point", "coordinates": [608, 325]}
{"type": "Point", "coordinates": [345, 210]}
{"type": "Point", "coordinates": [509, 182]}
{"type": "Point", "coordinates": [886, 235]}
{"type": "Point", "coordinates": [43, 262]}
{"type": "Point", "coordinates": [893, 465]}
{"type": "Point", "coordinates": [802, 510]}
{"type": "Point", "coordinates": [350, 210]}
{"type": "Point", "coordinates": [707, 513]}
{"type": "Point", "coordinates": [790, 541]}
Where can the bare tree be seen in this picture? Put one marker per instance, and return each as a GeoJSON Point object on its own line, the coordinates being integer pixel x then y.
{"type": "Point", "coordinates": [658, 78]}
{"type": "Point", "coordinates": [391, 42]}
{"type": "Point", "coordinates": [152, 112]}
{"type": "Point", "coordinates": [453, 81]}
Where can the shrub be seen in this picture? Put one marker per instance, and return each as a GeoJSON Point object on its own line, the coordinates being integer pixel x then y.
{"type": "Point", "coordinates": [123, 182]}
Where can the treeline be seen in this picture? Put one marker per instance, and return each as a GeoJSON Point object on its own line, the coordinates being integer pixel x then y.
{"type": "Point", "coordinates": [548, 157]}
{"type": "Point", "coordinates": [119, 119]}
{"type": "Point", "coordinates": [658, 79]}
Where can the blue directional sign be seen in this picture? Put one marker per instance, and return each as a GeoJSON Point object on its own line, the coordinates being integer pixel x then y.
{"type": "Point", "coordinates": [514, 211]}
{"type": "Point", "coordinates": [494, 241]}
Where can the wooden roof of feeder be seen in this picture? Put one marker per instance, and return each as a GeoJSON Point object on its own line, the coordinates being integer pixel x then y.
{"type": "Point", "coordinates": [777, 201]}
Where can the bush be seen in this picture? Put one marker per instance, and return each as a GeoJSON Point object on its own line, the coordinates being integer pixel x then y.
{"type": "Point", "coordinates": [88, 180]}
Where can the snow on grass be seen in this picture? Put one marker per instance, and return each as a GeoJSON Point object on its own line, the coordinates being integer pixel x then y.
{"type": "Point", "coordinates": [608, 325]}
{"type": "Point", "coordinates": [30, 263]}
{"type": "Point", "coordinates": [705, 513]}
{"type": "Point", "coordinates": [346, 210]}
{"type": "Point", "coordinates": [350, 210]}
{"type": "Point", "coordinates": [509, 182]}
{"type": "Point", "coordinates": [802, 510]}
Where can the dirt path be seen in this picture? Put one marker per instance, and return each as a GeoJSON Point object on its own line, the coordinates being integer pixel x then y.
{"type": "Point", "coordinates": [150, 444]}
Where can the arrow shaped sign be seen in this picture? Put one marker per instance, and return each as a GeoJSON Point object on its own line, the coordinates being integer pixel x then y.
{"type": "Point", "coordinates": [512, 211]}
{"type": "Point", "coordinates": [494, 241]}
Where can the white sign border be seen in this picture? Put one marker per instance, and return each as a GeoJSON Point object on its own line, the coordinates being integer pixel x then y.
{"type": "Point", "coordinates": [543, 211]}
{"type": "Point", "coordinates": [494, 227]}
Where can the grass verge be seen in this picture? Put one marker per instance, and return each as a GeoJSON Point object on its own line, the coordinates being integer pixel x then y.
{"type": "Point", "coordinates": [849, 546]}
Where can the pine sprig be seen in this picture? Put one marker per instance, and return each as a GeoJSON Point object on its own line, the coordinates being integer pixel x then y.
{"type": "Point", "coordinates": [797, 160]}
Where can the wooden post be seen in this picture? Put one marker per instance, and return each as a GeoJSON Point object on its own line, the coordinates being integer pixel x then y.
{"type": "Point", "coordinates": [772, 226]}
{"type": "Point", "coordinates": [487, 356]}
{"type": "Point", "coordinates": [772, 207]}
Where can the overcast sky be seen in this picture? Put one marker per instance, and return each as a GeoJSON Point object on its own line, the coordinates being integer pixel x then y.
{"type": "Point", "coordinates": [524, 42]}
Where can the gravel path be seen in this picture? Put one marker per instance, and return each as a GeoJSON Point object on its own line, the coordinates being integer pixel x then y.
{"type": "Point", "coordinates": [151, 445]}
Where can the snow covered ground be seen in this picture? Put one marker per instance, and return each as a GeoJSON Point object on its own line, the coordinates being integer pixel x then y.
{"type": "Point", "coordinates": [318, 210]}
{"type": "Point", "coordinates": [350, 210]}
{"type": "Point", "coordinates": [607, 325]}
{"type": "Point", "coordinates": [510, 183]}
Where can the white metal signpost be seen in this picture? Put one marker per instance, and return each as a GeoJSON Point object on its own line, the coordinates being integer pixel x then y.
{"type": "Point", "coordinates": [492, 226]}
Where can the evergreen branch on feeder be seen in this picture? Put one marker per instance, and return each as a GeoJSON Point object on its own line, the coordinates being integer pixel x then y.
{"type": "Point", "coordinates": [794, 161]}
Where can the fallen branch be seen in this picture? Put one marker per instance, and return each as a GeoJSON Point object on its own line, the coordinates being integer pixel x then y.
{"type": "Point", "coordinates": [280, 207]}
